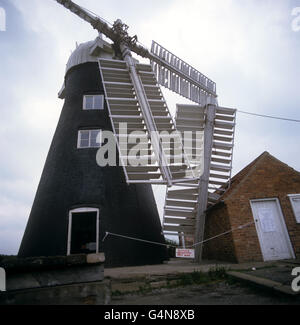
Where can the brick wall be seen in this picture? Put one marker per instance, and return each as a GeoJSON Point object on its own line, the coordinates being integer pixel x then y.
{"type": "Point", "coordinates": [245, 241]}
{"type": "Point", "coordinates": [221, 248]}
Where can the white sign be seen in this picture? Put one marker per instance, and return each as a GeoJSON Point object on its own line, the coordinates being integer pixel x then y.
{"type": "Point", "coordinates": [185, 253]}
{"type": "Point", "coordinates": [2, 279]}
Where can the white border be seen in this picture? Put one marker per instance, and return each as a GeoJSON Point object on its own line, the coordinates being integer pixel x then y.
{"type": "Point", "coordinates": [92, 109]}
{"type": "Point", "coordinates": [82, 210]}
{"type": "Point", "coordinates": [291, 197]}
{"type": "Point", "coordinates": [89, 146]}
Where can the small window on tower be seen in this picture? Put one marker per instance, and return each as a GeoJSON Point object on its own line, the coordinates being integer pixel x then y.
{"type": "Point", "coordinates": [93, 102]}
{"type": "Point", "coordinates": [89, 139]}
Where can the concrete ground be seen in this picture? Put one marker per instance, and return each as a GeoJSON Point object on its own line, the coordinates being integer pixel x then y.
{"type": "Point", "coordinates": [281, 272]}
{"type": "Point", "coordinates": [247, 284]}
{"type": "Point", "coordinates": [177, 266]}
{"type": "Point", "coordinates": [267, 283]}
{"type": "Point", "coordinates": [277, 277]}
{"type": "Point", "coordinates": [220, 293]}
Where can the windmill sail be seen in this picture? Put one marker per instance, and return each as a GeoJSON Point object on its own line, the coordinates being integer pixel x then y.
{"type": "Point", "coordinates": [181, 202]}
{"type": "Point", "coordinates": [127, 115]}
{"type": "Point", "coordinates": [222, 151]}
{"type": "Point", "coordinates": [178, 76]}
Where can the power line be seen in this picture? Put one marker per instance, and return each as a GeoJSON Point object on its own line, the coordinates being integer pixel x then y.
{"type": "Point", "coordinates": [269, 116]}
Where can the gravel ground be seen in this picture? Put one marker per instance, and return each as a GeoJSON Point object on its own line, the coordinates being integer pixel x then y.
{"type": "Point", "coordinates": [220, 293]}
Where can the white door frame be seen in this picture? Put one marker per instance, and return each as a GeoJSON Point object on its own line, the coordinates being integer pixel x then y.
{"type": "Point", "coordinates": [82, 210]}
{"type": "Point", "coordinates": [282, 221]}
{"type": "Point", "coordinates": [291, 197]}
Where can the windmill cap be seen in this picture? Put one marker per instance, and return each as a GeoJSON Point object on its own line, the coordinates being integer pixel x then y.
{"type": "Point", "coordinates": [87, 52]}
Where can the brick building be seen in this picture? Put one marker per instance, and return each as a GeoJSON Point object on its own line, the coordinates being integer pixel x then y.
{"type": "Point", "coordinates": [265, 196]}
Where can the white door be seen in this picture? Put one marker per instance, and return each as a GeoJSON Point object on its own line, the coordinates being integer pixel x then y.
{"type": "Point", "coordinates": [271, 229]}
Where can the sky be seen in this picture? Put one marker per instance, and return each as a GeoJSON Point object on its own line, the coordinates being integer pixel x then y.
{"type": "Point", "coordinates": [250, 48]}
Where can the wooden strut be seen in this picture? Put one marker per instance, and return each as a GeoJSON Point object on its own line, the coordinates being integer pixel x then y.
{"type": "Point", "coordinates": [157, 146]}
{"type": "Point", "coordinates": [203, 190]}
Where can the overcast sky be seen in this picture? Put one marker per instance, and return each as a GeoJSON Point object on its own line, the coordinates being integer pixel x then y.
{"type": "Point", "coordinates": [248, 47]}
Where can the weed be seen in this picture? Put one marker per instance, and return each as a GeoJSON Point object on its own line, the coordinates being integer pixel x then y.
{"type": "Point", "coordinates": [184, 279]}
{"type": "Point", "coordinates": [198, 277]}
{"type": "Point", "coordinates": [218, 274]}
{"type": "Point", "coordinates": [117, 293]}
{"type": "Point", "coordinates": [145, 288]}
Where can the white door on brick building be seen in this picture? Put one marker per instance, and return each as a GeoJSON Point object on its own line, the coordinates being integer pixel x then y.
{"type": "Point", "coordinates": [271, 230]}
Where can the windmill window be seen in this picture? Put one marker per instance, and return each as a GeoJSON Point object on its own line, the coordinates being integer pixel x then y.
{"type": "Point", "coordinates": [295, 202]}
{"type": "Point", "coordinates": [93, 102]}
{"type": "Point", "coordinates": [89, 139]}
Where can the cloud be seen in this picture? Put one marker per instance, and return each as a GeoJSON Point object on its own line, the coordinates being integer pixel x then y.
{"type": "Point", "coordinates": [28, 120]}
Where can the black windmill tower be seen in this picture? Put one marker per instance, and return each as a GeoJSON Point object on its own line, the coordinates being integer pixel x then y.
{"type": "Point", "coordinates": [107, 91]}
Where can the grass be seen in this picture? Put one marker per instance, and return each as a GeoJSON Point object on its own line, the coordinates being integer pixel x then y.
{"type": "Point", "coordinates": [201, 278]}
{"type": "Point", "coordinates": [8, 257]}
{"type": "Point", "coordinates": [182, 280]}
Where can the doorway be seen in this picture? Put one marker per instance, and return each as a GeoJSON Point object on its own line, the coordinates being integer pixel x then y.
{"type": "Point", "coordinates": [271, 230]}
{"type": "Point", "coordinates": [83, 233]}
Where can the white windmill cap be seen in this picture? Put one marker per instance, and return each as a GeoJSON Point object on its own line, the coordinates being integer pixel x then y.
{"type": "Point", "coordinates": [87, 52]}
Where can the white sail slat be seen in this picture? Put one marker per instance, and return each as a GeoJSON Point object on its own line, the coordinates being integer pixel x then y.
{"type": "Point", "coordinates": [191, 84]}
{"type": "Point", "coordinates": [191, 118]}
{"type": "Point", "coordinates": [128, 113]}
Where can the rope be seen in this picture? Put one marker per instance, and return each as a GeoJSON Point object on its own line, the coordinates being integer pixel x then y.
{"type": "Point", "coordinates": [269, 116]}
{"type": "Point", "coordinates": [136, 239]}
{"type": "Point", "coordinates": [225, 233]}
{"type": "Point", "coordinates": [169, 245]}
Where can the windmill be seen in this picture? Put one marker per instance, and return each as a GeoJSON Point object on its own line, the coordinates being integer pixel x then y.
{"type": "Point", "coordinates": [136, 103]}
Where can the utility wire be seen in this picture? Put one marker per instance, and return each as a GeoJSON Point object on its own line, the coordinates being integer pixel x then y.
{"type": "Point", "coordinates": [269, 116]}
